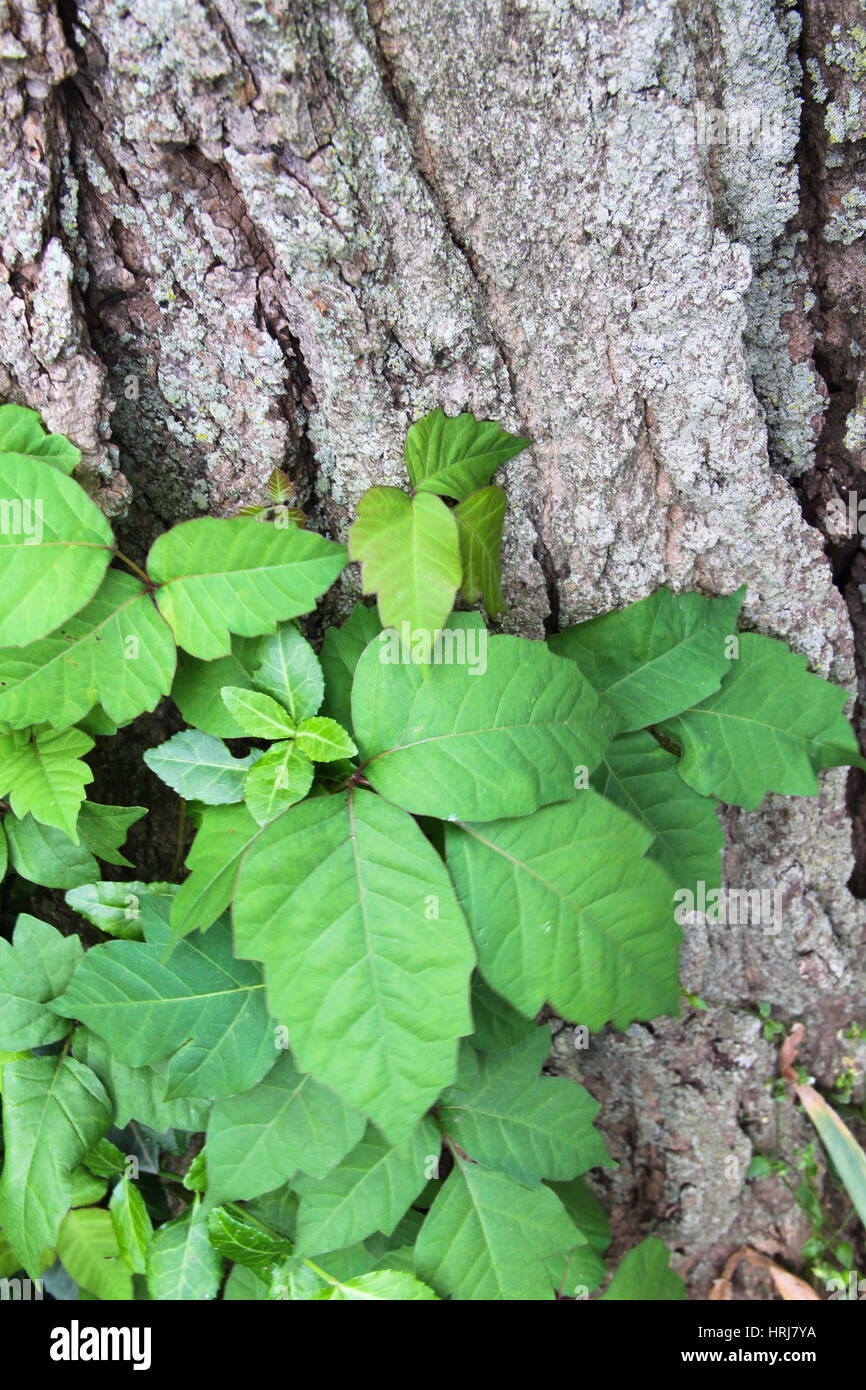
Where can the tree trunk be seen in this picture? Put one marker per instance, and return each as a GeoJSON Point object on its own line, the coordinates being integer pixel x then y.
{"type": "Point", "coordinates": [241, 234]}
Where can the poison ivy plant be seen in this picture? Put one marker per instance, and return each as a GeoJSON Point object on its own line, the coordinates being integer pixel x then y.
{"type": "Point", "coordinates": [398, 849]}
{"type": "Point", "coordinates": [415, 551]}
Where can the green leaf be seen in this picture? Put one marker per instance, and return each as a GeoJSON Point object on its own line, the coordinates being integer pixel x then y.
{"type": "Point", "coordinates": [258, 715]}
{"type": "Point", "coordinates": [367, 957]}
{"type": "Point", "coordinates": [116, 652]}
{"type": "Point", "coordinates": [288, 668]}
{"type": "Point", "coordinates": [496, 1025]}
{"type": "Point", "coordinates": [34, 968]}
{"type": "Point", "coordinates": [181, 1262]}
{"type": "Point", "coordinates": [454, 455]}
{"type": "Point", "coordinates": [770, 728]}
{"type": "Point", "coordinates": [244, 1286]}
{"type": "Point", "coordinates": [115, 908]}
{"type": "Point", "coordinates": [480, 518]}
{"type": "Point", "coordinates": [473, 745]}
{"type": "Point", "coordinates": [42, 773]}
{"type": "Point", "coordinates": [54, 1110]}
{"type": "Point", "coordinates": [131, 1224]}
{"type": "Point", "coordinates": [88, 1250]}
{"type": "Point", "coordinates": [575, 1272]}
{"type": "Point", "coordinates": [87, 1189]}
{"type": "Point", "coordinates": [257, 1141]}
{"type": "Point", "coordinates": [195, 1178]}
{"type": "Point", "coordinates": [488, 1237]}
{"type": "Point", "coordinates": [281, 777]}
{"type": "Point", "coordinates": [849, 1160]}
{"type": "Point", "coordinates": [103, 829]}
{"type": "Point", "coordinates": [198, 686]}
{"type": "Point", "coordinates": [341, 651]}
{"type": "Point", "coordinates": [592, 934]}
{"type": "Point", "coordinates": [277, 1209]}
{"type": "Point", "coordinates": [200, 768]}
{"type": "Point", "coordinates": [9, 1262]}
{"type": "Point", "coordinates": [302, 1281]}
{"type": "Point", "coordinates": [54, 548]}
{"type": "Point", "coordinates": [324, 740]}
{"type": "Point", "coordinates": [505, 1115]}
{"type": "Point", "coordinates": [219, 577]}
{"type": "Point", "coordinates": [97, 724]}
{"type": "Point", "coordinates": [105, 1159]}
{"type": "Point", "coordinates": [201, 1006]}
{"type": "Point", "coordinates": [22, 432]}
{"type": "Point", "coordinates": [641, 777]}
{"type": "Point", "coordinates": [644, 1274]}
{"type": "Point", "coordinates": [137, 1093]}
{"type": "Point", "coordinates": [409, 552]}
{"type": "Point", "coordinates": [246, 1243]}
{"type": "Point", "coordinates": [213, 861]}
{"type": "Point", "coordinates": [369, 1190]}
{"type": "Point", "coordinates": [387, 1284]}
{"type": "Point", "coordinates": [580, 1269]}
{"type": "Point", "coordinates": [657, 656]}
{"type": "Point", "coordinates": [45, 855]}
{"type": "Point", "coordinates": [585, 1210]}
{"type": "Point", "coordinates": [280, 487]}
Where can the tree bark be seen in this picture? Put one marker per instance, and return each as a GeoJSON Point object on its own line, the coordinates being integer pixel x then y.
{"type": "Point", "coordinates": [236, 234]}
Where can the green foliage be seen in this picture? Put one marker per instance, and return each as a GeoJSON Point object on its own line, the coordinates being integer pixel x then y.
{"type": "Point", "coordinates": [480, 518]}
{"type": "Point", "coordinates": [478, 746]}
{"type": "Point", "coordinates": [88, 1247]}
{"type": "Point", "coordinates": [369, 1190]}
{"type": "Point", "coordinates": [201, 1007]}
{"type": "Point", "coordinates": [508, 1117]}
{"type": "Point", "coordinates": [286, 1124]}
{"type": "Point", "coordinates": [54, 1110]}
{"type": "Point", "coordinates": [592, 934]}
{"type": "Point", "coordinates": [641, 777]}
{"type": "Point", "coordinates": [34, 970]}
{"type": "Point", "coordinates": [42, 773]}
{"type": "Point", "coordinates": [116, 652]}
{"type": "Point", "coordinates": [416, 552]}
{"type": "Point", "coordinates": [409, 552]}
{"type": "Point", "coordinates": [200, 768]}
{"type": "Point", "coordinates": [55, 546]}
{"type": "Point", "coordinates": [454, 456]}
{"type": "Point", "coordinates": [215, 578]}
{"type": "Point", "coordinates": [488, 1236]}
{"type": "Point", "coordinates": [374, 994]}
{"type": "Point", "coordinates": [131, 1225]}
{"type": "Point", "coordinates": [181, 1262]}
{"type": "Point", "coordinates": [656, 657]}
{"type": "Point", "coordinates": [643, 1268]}
{"type": "Point", "coordinates": [420, 846]}
{"type": "Point", "coordinates": [770, 728]}
{"type": "Point", "coordinates": [22, 433]}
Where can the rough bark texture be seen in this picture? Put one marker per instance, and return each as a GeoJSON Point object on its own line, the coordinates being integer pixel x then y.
{"type": "Point", "coordinates": [240, 234]}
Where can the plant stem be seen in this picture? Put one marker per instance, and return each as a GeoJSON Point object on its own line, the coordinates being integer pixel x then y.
{"type": "Point", "coordinates": [133, 566]}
